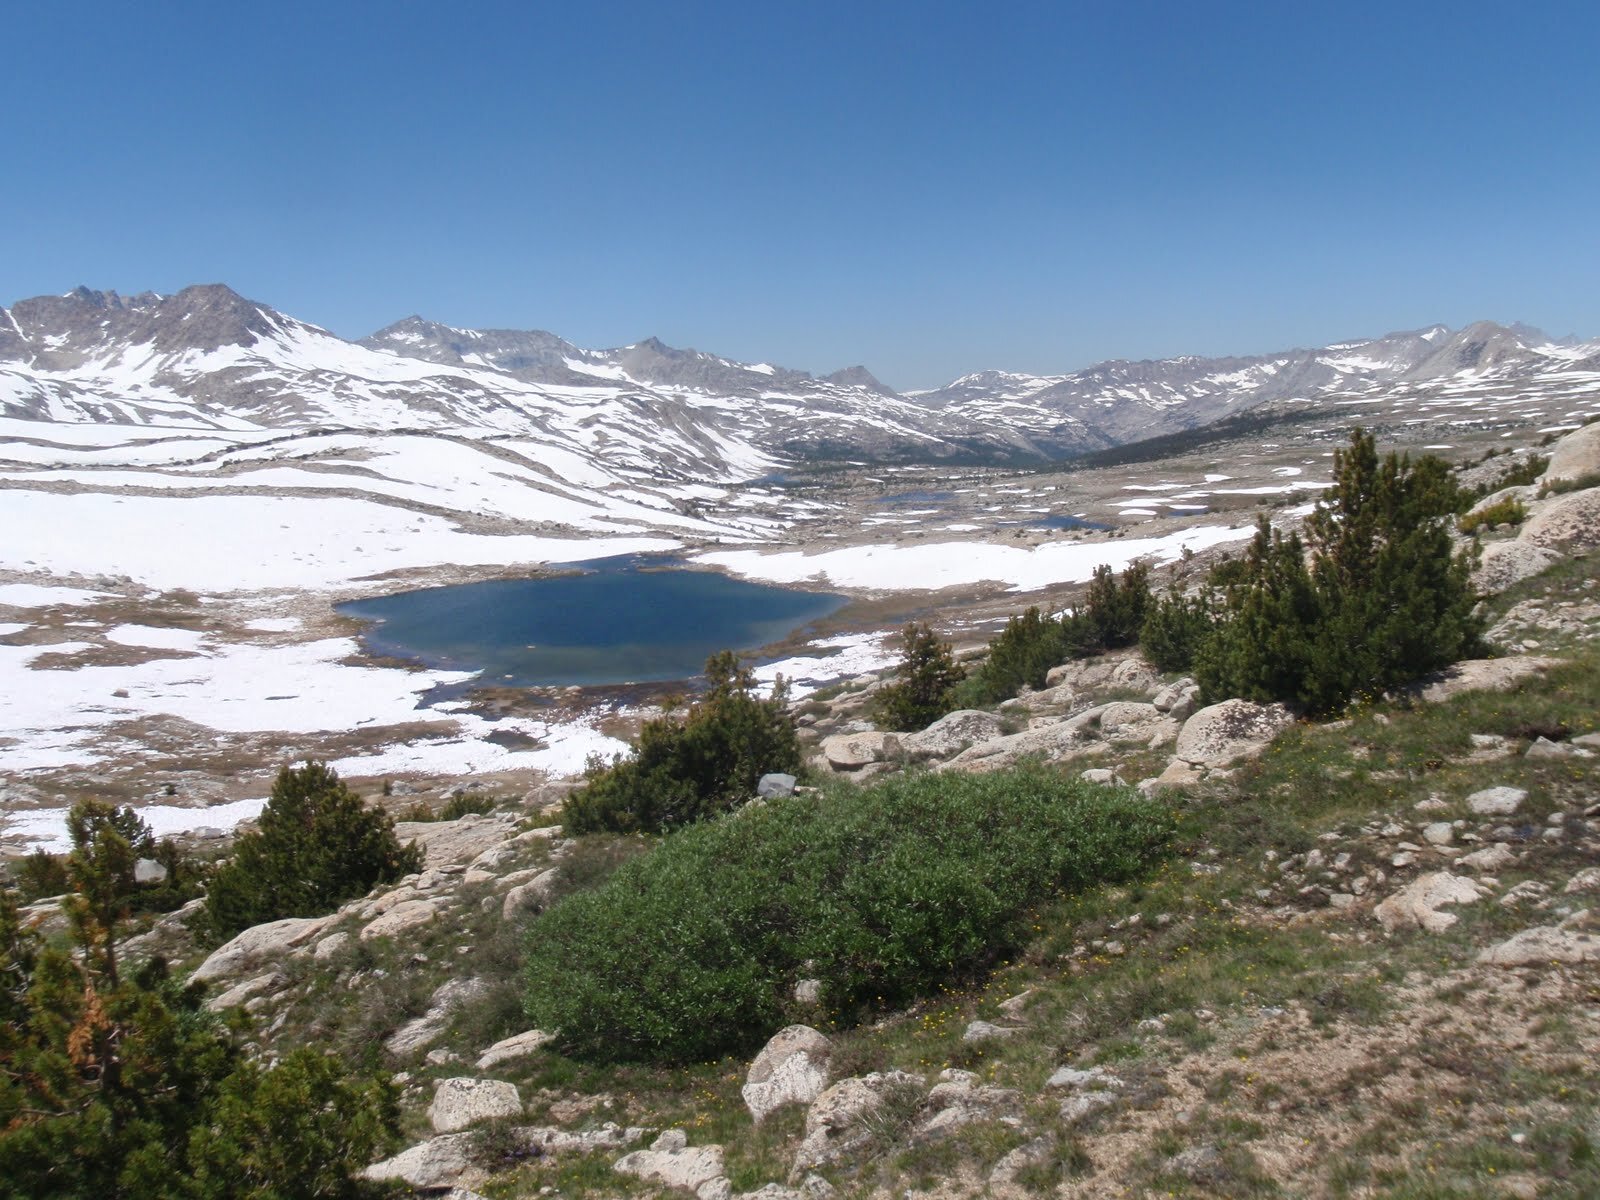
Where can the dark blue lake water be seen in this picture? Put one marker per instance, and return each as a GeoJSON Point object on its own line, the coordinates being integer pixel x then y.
{"type": "Point", "coordinates": [617, 620]}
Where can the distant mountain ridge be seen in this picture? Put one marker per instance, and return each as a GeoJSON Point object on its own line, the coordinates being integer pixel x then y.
{"type": "Point", "coordinates": [208, 357]}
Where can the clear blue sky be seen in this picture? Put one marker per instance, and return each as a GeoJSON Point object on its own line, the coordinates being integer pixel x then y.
{"type": "Point", "coordinates": [928, 188]}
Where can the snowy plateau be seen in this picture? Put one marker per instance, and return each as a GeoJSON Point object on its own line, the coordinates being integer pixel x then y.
{"type": "Point", "coordinates": [189, 483]}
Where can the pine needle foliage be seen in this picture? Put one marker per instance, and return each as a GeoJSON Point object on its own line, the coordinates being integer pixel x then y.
{"type": "Point", "coordinates": [690, 767]}
{"type": "Point", "coordinates": [924, 682]}
{"type": "Point", "coordinates": [317, 844]}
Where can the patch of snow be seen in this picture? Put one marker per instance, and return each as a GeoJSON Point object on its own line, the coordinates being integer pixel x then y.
{"type": "Point", "coordinates": [161, 639]}
{"type": "Point", "coordinates": [32, 595]}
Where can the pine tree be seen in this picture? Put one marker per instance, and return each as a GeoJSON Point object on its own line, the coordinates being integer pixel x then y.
{"type": "Point", "coordinates": [921, 692]}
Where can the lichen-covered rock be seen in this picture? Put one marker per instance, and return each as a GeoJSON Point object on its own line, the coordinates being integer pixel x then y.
{"type": "Point", "coordinates": [434, 1165]}
{"type": "Point", "coordinates": [260, 944]}
{"type": "Point", "coordinates": [1220, 733]}
{"type": "Point", "coordinates": [792, 1068]}
{"type": "Point", "coordinates": [1418, 903]}
{"type": "Point", "coordinates": [852, 751]}
{"type": "Point", "coordinates": [458, 1103]}
{"type": "Point", "coordinates": [1496, 801]}
{"type": "Point", "coordinates": [951, 734]}
{"type": "Point", "coordinates": [834, 1121]}
{"type": "Point", "coordinates": [1544, 945]}
{"type": "Point", "coordinates": [1570, 522]}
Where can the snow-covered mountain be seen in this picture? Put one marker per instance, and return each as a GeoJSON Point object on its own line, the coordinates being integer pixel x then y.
{"type": "Point", "coordinates": [207, 358]}
{"type": "Point", "coordinates": [1123, 401]}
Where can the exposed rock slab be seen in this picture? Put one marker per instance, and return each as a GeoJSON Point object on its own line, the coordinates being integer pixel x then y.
{"type": "Point", "coordinates": [1575, 456]}
{"type": "Point", "coordinates": [951, 734]}
{"type": "Point", "coordinates": [517, 1046]}
{"type": "Point", "coordinates": [1481, 675]}
{"type": "Point", "coordinates": [1220, 733]}
{"type": "Point", "coordinates": [792, 1068]}
{"type": "Point", "coordinates": [1503, 564]}
{"type": "Point", "coordinates": [1544, 945]}
{"type": "Point", "coordinates": [445, 843]}
{"type": "Point", "coordinates": [433, 1165]}
{"type": "Point", "coordinates": [461, 1102]}
{"type": "Point", "coordinates": [258, 945]}
{"type": "Point", "coordinates": [1417, 904]}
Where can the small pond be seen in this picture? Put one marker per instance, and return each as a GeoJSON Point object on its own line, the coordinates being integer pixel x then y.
{"type": "Point", "coordinates": [635, 619]}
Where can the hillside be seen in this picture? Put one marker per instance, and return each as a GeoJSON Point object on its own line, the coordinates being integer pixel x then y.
{"type": "Point", "coordinates": [1366, 966]}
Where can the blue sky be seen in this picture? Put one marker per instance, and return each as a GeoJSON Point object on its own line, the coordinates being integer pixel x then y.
{"type": "Point", "coordinates": [927, 188]}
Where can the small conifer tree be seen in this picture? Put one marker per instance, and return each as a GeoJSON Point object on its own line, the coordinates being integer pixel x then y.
{"type": "Point", "coordinates": [924, 681]}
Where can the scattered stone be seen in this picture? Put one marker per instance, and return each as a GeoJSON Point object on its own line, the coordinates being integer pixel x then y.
{"type": "Point", "coordinates": [148, 870]}
{"type": "Point", "coordinates": [1490, 859]}
{"type": "Point", "coordinates": [1092, 1077]}
{"type": "Point", "coordinates": [1029, 1154]}
{"type": "Point", "coordinates": [775, 784]}
{"type": "Point", "coordinates": [433, 1165]}
{"type": "Point", "coordinates": [1529, 891]}
{"type": "Point", "coordinates": [532, 895]}
{"type": "Point", "coordinates": [1497, 801]}
{"type": "Point", "coordinates": [1586, 880]}
{"type": "Point", "coordinates": [517, 1046]}
{"type": "Point", "coordinates": [1544, 945]}
{"type": "Point", "coordinates": [1101, 775]}
{"type": "Point", "coordinates": [987, 1031]}
{"type": "Point", "coordinates": [792, 1068]}
{"type": "Point", "coordinates": [834, 1120]}
{"type": "Point", "coordinates": [1018, 1004]}
{"type": "Point", "coordinates": [1439, 833]}
{"type": "Point", "coordinates": [673, 1163]}
{"type": "Point", "coordinates": [1417, 903]}
{"type": "Point", "coordinates": [852, 751]}
{"type": "Point", "coordinates": [458, 1103]}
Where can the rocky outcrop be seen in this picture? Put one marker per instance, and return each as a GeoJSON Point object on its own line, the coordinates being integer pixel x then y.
{"type": "Point", "coordinates": [852, 751]}
{"type": "Point", "coordinates": [1568, 942]}
{"type": "Point", "coordinates": [517, 1046]}
{"type": "Point", "coordinates": [462, 1102]}
{"type": "Point", "coordinates": [417, 1034]}
{"type": "Point", "coordinates": [447, 843]}
{"type": "Point", "coordinates": [434, 1165]}
{"type": "Point", "coordinates": [834, 1123]}
{"type": "Point", "coordinates": [791, 1069]}
{"type": "Point", "coordinates": [1570, 522]}
{"type": "Point", "coordinates": [259, 945]}
{"type": "Point", "coordinates": [1417, 904]}
{"type": "Point", "coordinates": [1503, 564]}
{"type": "Point", "coordinates": [951, 734]}
{"type": "Point", "coordinates": [1480, 675]}
{"type": "Point", "coordinates": [1221, 733]}
{"type": "Point", "coordinates": [1576, 456]}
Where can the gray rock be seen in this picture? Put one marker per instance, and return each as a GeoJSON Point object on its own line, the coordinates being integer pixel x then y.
{"type": "Point", "coordinates": [250, 988]}
{"type": "Point", "coordinates": [449, 842]}
{"type": "Point", "coordinates": [1439, 833]}
{"type": "Point", "coordinates": [403, 917]}
{"type": "Point", "coordinates": [1104, 776]}
{"type": "Point", "coordinates": [260, 944]}
{"type": "Point", "coordinates": [1497, 801]}
{"type": "Point", "coordinates": [792, 1068]}
{"type": "Point", "coordinates": [458, 1103]}
{"type": "Point", "coordinates": [433, 1165]}
{"type": "Point", "coordinates": [517, 1046]}
{"type": "Point", "coordinates": [1574, 456]}
{"type": "Point", "coordinates": [1418, 903]}
{"type": "Point", "coordinates": [1503, 564]}
{"type": "Point", "coordinates": [1124, 721]}
{"type": "Point", "coordinates": [951, 734]}
{"type": "Point", "coordinates": [1490, 859]}
{"type": "Point", "coordinates": [774, 784]}
{"type": "Point", "coordinates": [852, 751]}
{"type": "Point", "coordinates": [1092, 1077]}
{"type": "Point", "coordinates": [987, 1031]}
{"type": "Point", "coordinates": [532, 895]}
{"type": "Point", "coordinates": [1543, 946]}
{"type": "Point", "coordinates": [148, 870]}
{"type": "Point", "coordinates": [1220, 733]}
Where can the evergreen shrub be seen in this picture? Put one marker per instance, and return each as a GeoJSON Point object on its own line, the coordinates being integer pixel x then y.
{"type": "Point", "coordinates": [882, 894]}
{"type": "Point", "coordinates": [924, 685]}
{"type": "Point", "coordinates": [687, 768]}
{"type": "Point", "coordinates": [317, 844]}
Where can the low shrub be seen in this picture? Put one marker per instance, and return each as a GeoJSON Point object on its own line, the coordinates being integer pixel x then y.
{"type": "Point", "coordinates": [685, 769]}
{"type": "Point", "coordinates": [1175, 627]}
{"type": "Point", "coordinates": [882, 895]}
{"type": "Point", "coordinates": [1509, 511]}
{"type": "Point", "coordinates": [1560, 487]}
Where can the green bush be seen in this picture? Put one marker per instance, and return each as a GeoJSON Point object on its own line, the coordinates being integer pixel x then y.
{"type": "Point", "coordinates": [882, 895]}
{"type": "Point", "coordinates": [1509, 511]}
{"type": "Point", "coordinates": [317, 845]}
{"type": "Point", "coordinates": [685, 769]}
{"type": "Point", "coordinates": [1116, 607]}
{"type": "Point", "coordinates": [924, 683]}
{"type": "Point", "coordinates": [1380, 599]}
{"type": "Point", "coordinates": [1021, 655]}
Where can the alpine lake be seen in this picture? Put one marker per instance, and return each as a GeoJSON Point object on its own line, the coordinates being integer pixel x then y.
{"type": "Point", "coordinates": [628, 620]}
